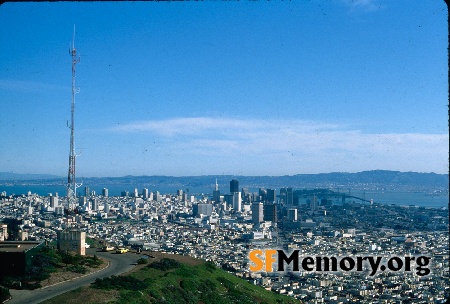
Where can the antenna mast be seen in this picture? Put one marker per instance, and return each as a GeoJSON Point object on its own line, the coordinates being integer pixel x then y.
{"type": "Point", "coordinates": [71, 182]}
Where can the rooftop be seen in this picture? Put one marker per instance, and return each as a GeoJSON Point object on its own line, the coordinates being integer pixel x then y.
{"type": "Point", "coordinates": [18, 246]}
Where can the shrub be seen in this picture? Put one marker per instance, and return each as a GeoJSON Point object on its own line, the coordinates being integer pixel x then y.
{"type": "Point", "coordinates": [92, 262]}
{"type": "Point", "coordinates": [186, 272]}
{"type": "Point", "coordinates": [77, 269]}
{"type": "Point", "coordinates": [210, 266]}
{"type": "Point", "coordinates": [165, 264]}
{"type": "Point", "coordinates": [207, 286]}
{"type": "Point", "coordinates": [4, 294]}
{"type": "Point", "coordinates": [8, 282]}
{"type": "Point", "coordinates": [189, 285]}
{"type": "Point", "coordinates": [67, 258]}
{"type": "Point", "coordinates": [119, 282]}
{"type": "Point", "coordinates": [226, 283]}
{"type": "Point", "coordinates": [130, 296]}
{"type": "Point", "coordinates": [173, 294]}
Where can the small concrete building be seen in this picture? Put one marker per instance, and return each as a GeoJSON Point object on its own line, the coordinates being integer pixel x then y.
{"type": "Point", "coordinates": [72, 240]}
{"type": "Point", "coordinates": [15, 256]}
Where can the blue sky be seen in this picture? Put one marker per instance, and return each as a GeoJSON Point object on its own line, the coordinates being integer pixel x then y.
{"type": "Point", "coordinates": [241, 88]}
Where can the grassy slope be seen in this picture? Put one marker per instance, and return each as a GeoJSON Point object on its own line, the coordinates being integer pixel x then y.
{"type": "Point", "coordinates": [203, 283]}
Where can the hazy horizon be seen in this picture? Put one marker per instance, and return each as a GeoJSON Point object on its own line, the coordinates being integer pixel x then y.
{"type": "Point", "coordinates": [218, 175]}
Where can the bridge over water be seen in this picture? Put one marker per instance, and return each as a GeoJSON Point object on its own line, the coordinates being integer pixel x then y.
{"type": "Point", "coordinates": [326, 193]}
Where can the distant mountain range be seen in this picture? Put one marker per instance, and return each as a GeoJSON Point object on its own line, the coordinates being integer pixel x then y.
{"type": "Point", "coordinates": [9, 176]}
{"type": "Point", "coordinates": [375, 178]}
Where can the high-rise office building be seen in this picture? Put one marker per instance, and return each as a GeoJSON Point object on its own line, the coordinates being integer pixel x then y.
{"type": "Point", "coordinates": [234, 200]}
{"type": "Point", "coordinates": [287, 195]}
{"type": "Point", "coordinates": [234, 186]}
{"type": "Point", "coordinates": [184, 197]}
{"type": "Point", "coordinates": [297, 196]}
{"type": "Point", "coordinates": [326, 202]}
{"type": "Point", "coordinates": [157, 196]}
{"type": "Point", "coordinates": [216, 196]}
{"type": "Point", "coordinates": [270, 213]}
{"type": "Point", "coordinates": [271, 195]}
{"type": "Point", "coordinates": [257, 213]}
{"type": "Point", "coordinates": [86, 192]}
{"type": "Point", "coordinates": [145, 193]}
{"type": "Point", "coordinates": [82, 201]}
{"type": "Point", "coordinates": [246, 196]}
{"type": "Point", "coordinates": [216, 193]}
{"type": "Point", "coordinates": [54, 201]}
{"type": "Point", "coordinates": [237, 201]}
{"type": "Point", "coordinates": [282, 195]}
{"type": "Point", "coordinates": [228, 199]}
{"type": "Point", "coordinates": [202, 209]}
{"type": "Point", "coordinates": [235, 195]}
{"type": "Point", "coordinates": [314, 203]}
{"type": "Point", "coordinates": [292, 214]}
{"type": "Point", "coordinates": [263, 194]}
{"type": "Point", "coordinates": [105, 192]}
{"type": "Point", "coordinates": [95, 204]}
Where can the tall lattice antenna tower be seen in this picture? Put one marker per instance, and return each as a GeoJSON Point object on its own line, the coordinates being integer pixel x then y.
{"type": "Point", "coordinates": [71, 182]}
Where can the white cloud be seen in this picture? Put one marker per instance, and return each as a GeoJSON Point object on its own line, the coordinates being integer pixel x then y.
{"type": "Point", "coordinates": [200, 125]}
{"type": "Point", "coordinates": [292, 146]}
{"type": "Point", "coordinates": [368, 5]}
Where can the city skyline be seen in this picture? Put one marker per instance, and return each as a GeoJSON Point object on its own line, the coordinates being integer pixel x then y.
{"type": "Point", "coordinates": [184, 89]}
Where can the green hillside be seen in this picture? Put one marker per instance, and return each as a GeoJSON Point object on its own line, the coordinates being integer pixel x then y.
{"type": "Point", "coordinates": [169, 281]}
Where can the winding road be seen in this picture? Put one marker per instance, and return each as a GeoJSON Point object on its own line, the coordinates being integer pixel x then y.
{"type": "Point", "coordinates": [118, 263]}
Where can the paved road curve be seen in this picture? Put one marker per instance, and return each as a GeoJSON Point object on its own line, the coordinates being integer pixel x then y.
{"type": "Point", "coordinates": [119, 263]}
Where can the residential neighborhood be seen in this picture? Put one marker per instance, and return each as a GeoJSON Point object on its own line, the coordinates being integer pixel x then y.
{"type": "Point", "coordinates": [225, 228]}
